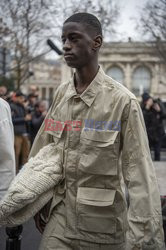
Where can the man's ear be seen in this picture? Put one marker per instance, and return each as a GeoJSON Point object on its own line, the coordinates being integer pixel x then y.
{"type": "Point", "coordinates": [97, 42]}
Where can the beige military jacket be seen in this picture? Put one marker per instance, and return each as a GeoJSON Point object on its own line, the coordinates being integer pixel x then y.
{"type": "Point", "coordinates": [101, 136]}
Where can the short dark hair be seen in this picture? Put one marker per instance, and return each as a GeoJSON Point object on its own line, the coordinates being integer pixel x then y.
{"type": "Point", "coordinates": [87, 19]}
{"type": "Point", "coordinates": [19, 93]}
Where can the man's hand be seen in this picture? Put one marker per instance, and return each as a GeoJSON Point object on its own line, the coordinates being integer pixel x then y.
{"type": "Point", "coordinates": [156, 107]}
{"type": "Point", "coordinates": [44, 113]}
{"type": "Point", "coordinates": [40, 224]}
{"type": "Point", "coordinates": [28, 117]}
{"type": "Point", "coordinates": [149, 103]}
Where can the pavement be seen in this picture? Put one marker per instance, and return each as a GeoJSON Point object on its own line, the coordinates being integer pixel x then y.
{"type": "Point", "coordinates": [31, 237]}
{"type": "Point", "coordinates": [160, 168]}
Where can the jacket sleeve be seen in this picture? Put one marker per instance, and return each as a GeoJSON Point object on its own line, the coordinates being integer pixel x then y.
{"type": "Point", "coordinates": [43, 138]}
{"type": "Point", "coordinates": [144, 212]}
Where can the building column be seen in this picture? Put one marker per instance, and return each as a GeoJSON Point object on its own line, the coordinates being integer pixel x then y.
{"type": "Point", "coordinates": [47, 94]}
{"type": "Point", "coordinates": [155, 85]}
{"type": "Point", "coordinates": [128, 76]}
{"type": "Point", "coordinates": [40, 92]}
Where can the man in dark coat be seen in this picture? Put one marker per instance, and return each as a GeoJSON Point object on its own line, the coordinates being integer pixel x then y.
{"type": "Point", "coordinates": [153, 116]}
{"type": "Point", "coordinates": [37, 119]}
{"type": "Point", "coordinates": [20, 119]}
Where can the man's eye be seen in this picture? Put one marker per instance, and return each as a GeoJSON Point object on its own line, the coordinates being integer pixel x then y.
{"type": "Point", "coordinates": [74, 39]}
{"type": "Point", "coordinates": [63, 41]}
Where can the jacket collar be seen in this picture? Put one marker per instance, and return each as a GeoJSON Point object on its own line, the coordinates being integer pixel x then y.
{"type": "Point", "coordinates": [90, 92]}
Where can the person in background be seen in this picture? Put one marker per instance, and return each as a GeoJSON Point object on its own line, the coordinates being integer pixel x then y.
{"type": "Point", "coordinates": [21, 139]}
{"type": "Point", "coordinates": [153, 116]}
{"type": "Point", "coordinates": [33, 89]}
{"type": "Point", "coordinates": [37, 118]}
{"type": "Point", "coordinates": [7, 156]}
{"type": "Point", "coordinates": [32, 100]}
{"type": "Point", "coordinates": [3, 92]}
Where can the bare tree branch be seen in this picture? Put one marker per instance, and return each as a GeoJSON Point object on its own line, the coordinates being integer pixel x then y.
{"type": "Point", "coordinates": [31, 22]}
{"type": "Point", "coordinates": [152, 23]}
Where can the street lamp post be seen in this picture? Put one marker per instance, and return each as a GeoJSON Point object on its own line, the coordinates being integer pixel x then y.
{"type": "Point", "coordinates": [13, 242]}
{"type": "Point", "coordinates": [4, 61]}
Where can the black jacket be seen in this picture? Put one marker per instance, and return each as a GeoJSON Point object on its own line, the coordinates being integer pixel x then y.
{"type": "Point", "coordinates": [18, 115]}
{"type": "Point", "coordinates": [154, 124]}
{"type": "Point", "coordinates": [36, 122]}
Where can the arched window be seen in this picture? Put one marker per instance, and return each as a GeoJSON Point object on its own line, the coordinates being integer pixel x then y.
{"type": "Point", "coordinates": [116, 73]}
{"type": "Point", "coordinates": [141, 80]}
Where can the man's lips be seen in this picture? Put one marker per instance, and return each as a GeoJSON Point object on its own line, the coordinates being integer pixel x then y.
{"type": "Point", "coordinates": [68, 56]}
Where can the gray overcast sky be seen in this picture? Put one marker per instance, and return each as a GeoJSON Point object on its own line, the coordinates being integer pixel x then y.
{"type": "Point", "coordinates": [129, 9]}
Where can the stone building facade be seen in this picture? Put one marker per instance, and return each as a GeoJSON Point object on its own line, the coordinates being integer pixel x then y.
{"type": "Point", "coordinates": [137, 65]}
{"type": "Point", "coordinates": [46, 77]}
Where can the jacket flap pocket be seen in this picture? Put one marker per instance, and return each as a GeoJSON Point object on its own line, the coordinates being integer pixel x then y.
{"type": "Point", "coordinates": [95, 196]}
{"type": "Point", "coordinates": [97, 224]}
{"type": "Point", "coordinates": [54, 128]}
{"type": "Point", "coordinates": [100, 135]}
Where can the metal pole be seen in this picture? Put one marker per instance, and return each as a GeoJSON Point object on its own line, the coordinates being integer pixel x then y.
{"type": "Point", "coordinates": [13, 242]}
{"type": "Point", "coordinates": [4, 61]}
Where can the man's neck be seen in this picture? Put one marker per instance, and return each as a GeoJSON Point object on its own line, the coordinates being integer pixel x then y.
{"type": "Point", "coordinates": [84, 76]}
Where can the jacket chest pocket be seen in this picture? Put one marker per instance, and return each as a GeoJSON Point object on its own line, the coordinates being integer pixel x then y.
{"type": "Point", "coordinates": [56, 129]}
{"type": "Point", "coordinates": [95, 210]}
{"type": "Point", "coordinates": [99, 152]}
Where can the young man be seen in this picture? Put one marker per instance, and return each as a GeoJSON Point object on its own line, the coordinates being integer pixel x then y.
{"type": "Point", "coordinates": [95, 122]}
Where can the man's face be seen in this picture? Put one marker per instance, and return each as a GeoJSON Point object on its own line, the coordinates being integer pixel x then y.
{"type": "Point", "coordinates": [77, 45]}
{"type": "Point", "coordinates": [33, 100]}
{"type": "Point", "coordinates": [149, 102]}
{"type": "Point", "coordinates": [20, 99]}
{"type": "Point", "coordinates": [42, 107]}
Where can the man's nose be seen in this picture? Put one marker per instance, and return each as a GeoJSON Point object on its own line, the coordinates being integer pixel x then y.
{"type": "Point", "coordinates": [66, 45]}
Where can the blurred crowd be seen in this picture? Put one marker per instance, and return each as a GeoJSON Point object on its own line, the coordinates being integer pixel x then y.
{"type": "Point", "coordinates": [28, 113]}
